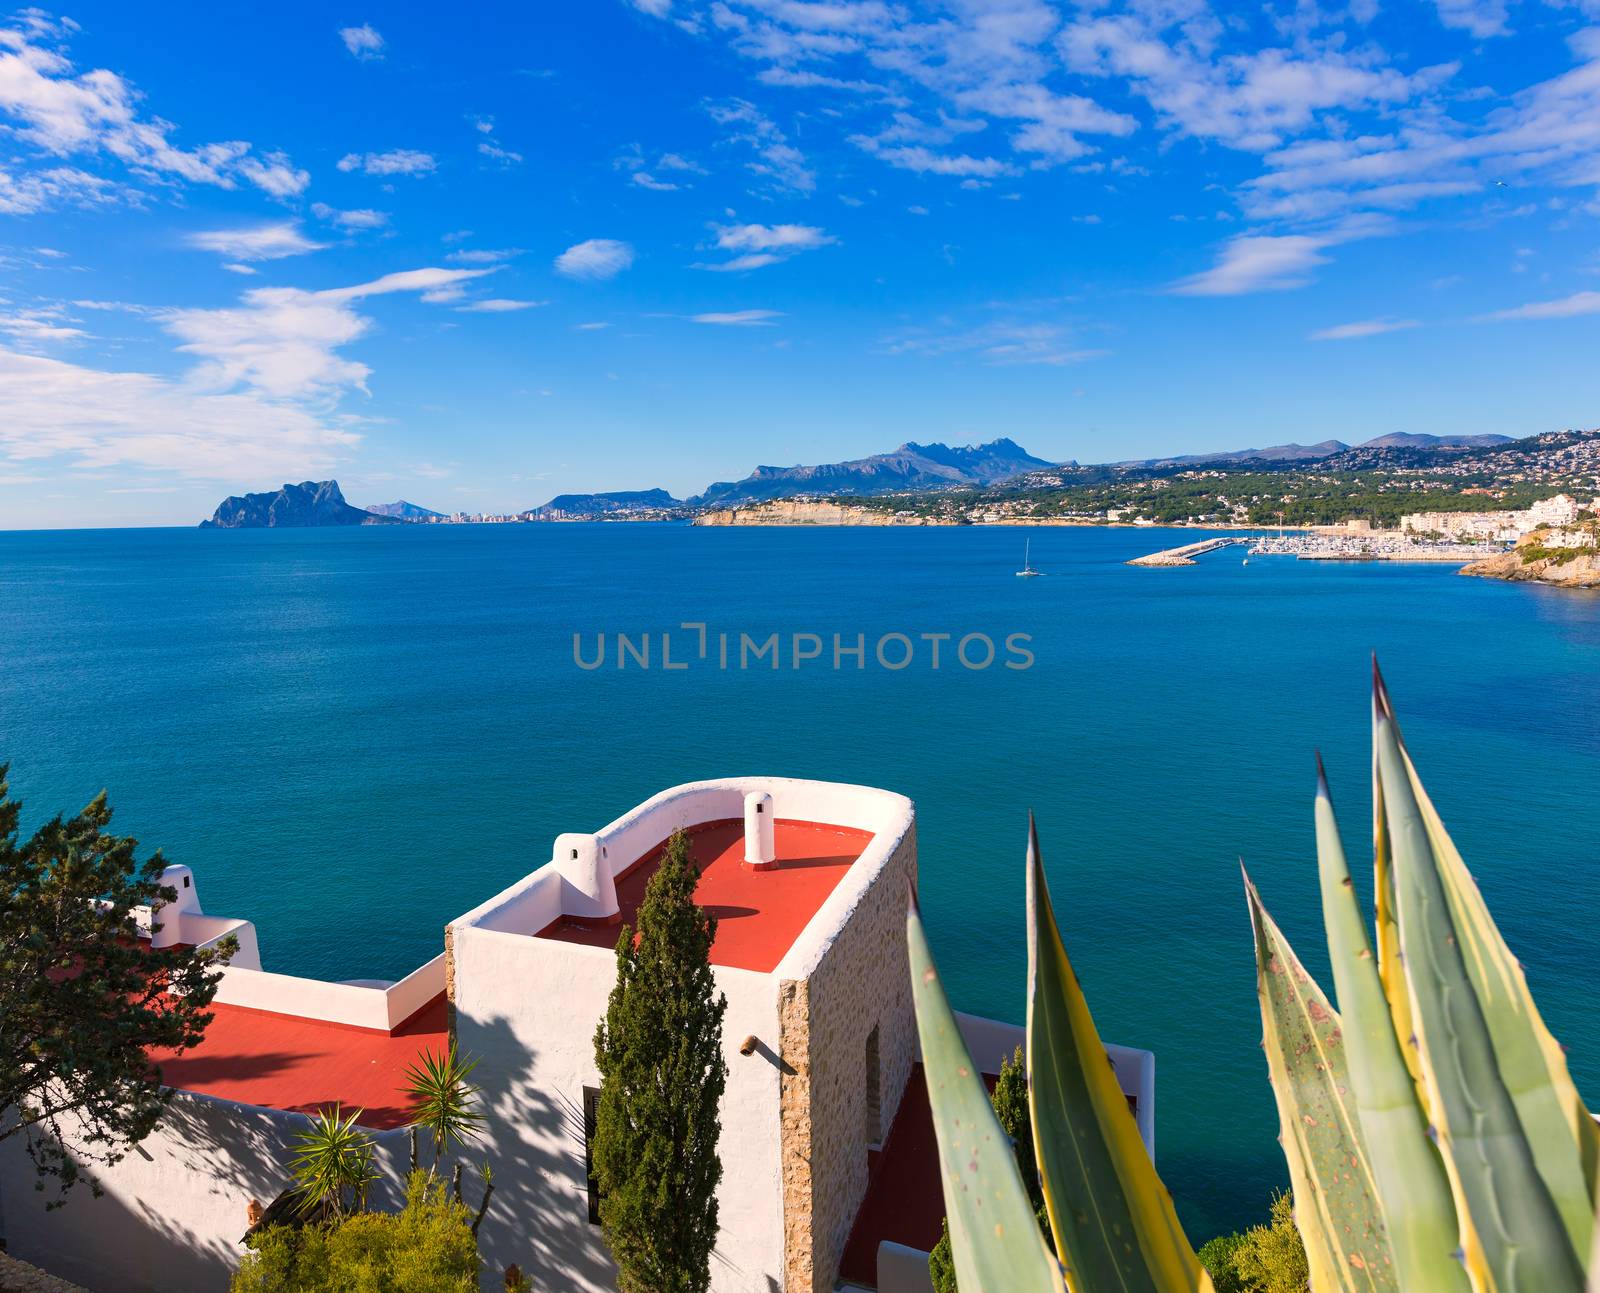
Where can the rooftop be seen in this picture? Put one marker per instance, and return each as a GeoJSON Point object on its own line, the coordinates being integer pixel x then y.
{"type": "Point", "coordinates": [288, 1062]}
{"type": "Point", "coordinates": [759, 913]}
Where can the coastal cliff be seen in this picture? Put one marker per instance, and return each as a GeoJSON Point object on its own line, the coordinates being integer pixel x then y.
{"type": "Point", "coordinates": [799, 513]}
{"type": "Point", "coordinates": [1534, 561]}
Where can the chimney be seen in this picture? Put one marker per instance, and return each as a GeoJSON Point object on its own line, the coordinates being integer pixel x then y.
{"type": "Point", "coordinates": [760, 831]}
{"type": "Point", "coordinates": [589, 894]}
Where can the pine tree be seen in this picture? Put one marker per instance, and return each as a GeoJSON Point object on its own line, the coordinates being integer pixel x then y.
{"type": "Point", "coordinates": [659, 1051]}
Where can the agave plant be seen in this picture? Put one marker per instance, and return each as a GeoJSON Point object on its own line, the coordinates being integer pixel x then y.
{"type": "Point", "coordinates": [333, 1164]}
{"type": "Point", "coordinates": [1435, 1141]}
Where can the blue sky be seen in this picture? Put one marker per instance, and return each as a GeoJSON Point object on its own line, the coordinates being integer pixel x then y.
{"type": "Point", "coordinates": [477, 258]}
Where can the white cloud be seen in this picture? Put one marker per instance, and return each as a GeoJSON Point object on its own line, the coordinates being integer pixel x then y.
{"type": "Point", "coordinates": [363, 42]}
{"type": "Point", "coordinates": [645, 180]}
{"type": "Point", "coordinates": [1363, 328]}
{"type": "Point", "coordinates": [499, 305]}
{"type": "Point", "coordinates": [925, 161]}
{"type": "Point", "coordinates": [595, 259]}
{"type": "Point", "coordinates": [256, 242]}
{"type": "Point", "coordinates": [1004, 343]}
{"type": "Point", "coordinates": [284, 343]}
{"type": "Point", "coordinates": [31, 329]}
{"type": "Point", "coordinates": [775, 160]}
{"type": "Point", "coordinates": [98, 420]}
{"type": "Point", "coordinates": [504, 156]}
{"type": "Point", "coordinates": [233, 267]}
{"type": "Point", "coordinates": [655, 8]}
{"type": "Point", "coordinates": [761, 245]}
{"type": "Point", "coordinates": [1566, 307]}
{"type": "Point", "coordinates": [63, 112]}
{"type": "Point", "coordinates": [360, 218]}
{"type": "Point", "coordinates": [739, 318]}
{"type": "Point", "coordinates": [1258, 263]}
{"type": "Point", "coordinates": [483, 255]}
{"type": "Point", "coordinates": [1480, 18]}
{"type": "Point", "coordinates": [397, 161]}
{"type": "Point", "coordinates": [32, 191]}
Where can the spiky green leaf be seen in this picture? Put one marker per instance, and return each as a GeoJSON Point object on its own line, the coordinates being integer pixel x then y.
{"type": "Point", "coordinates": [1336, 1205]}
{"type": "Point", "coordinates": [1113, 1220]}
{"type": "Point", "coordinates": [1413, 1189]}
{"type": "Point", "coordinates": [1561, 1133]}
{"type": "Point", "coordinates": [994, 1236]}
{"type": "Point", "coordinates": [1525, 1245]}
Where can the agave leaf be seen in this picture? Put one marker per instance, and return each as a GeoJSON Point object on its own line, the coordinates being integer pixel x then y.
{"type": "Point", "coordinates": [1562, 1133]}
{"type": "Point", "coordinates": [994, 1236]}
{"type": "Point", "coordinates": [1413, 1189]}
{"type": "Point", "coordinates": [1336, 1205]}
{"type": "Point", "coordinates": [1113, 1220]}
{"type": "Point", "coordinates": [1390, 970]}
{"type": "Point", "coordinates": [1525, 1244]}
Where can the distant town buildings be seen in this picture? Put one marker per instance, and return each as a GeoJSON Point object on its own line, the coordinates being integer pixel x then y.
{"type": "Point", "coordinates": [1497, 527]}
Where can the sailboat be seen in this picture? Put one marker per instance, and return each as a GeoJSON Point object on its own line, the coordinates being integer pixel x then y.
{"type": "Point", "coordinates": [1027, 571]}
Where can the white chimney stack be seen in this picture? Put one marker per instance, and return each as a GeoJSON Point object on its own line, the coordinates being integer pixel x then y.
{"type": "Point", "coordinates": [590, 892]}
{"type": "Point", "coordinates": [169, 915]}
{"type": "Point", "coordinates": [760, 832]}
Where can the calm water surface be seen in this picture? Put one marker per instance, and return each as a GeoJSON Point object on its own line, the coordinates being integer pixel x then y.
{"type": "Point", "coordinates": [354, 736]}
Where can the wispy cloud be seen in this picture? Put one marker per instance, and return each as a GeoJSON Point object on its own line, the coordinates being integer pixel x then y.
{"type": "Point", "coordinates": [498, 305]}
{"type": "Point", "coordinates": [363, 42]}
{"type": "Point", "coordinates": [1363, 328]}
{"type": "Point", "coordinates": [397, 161]}
{"type": "Point", "coordinates": [1258, 263]}
{"type": "Point", "coordinates": [361, 218]}
{"type": "Point", "coordinates": [739, 318]}
{"type": "Point", "coordinates": [256, 242]}
{"type": "Point", "coordinates": [284, 342]}
{"type": "Point", "coordinates": [1566, 307]}
{"type": "Point", "coordinates": [1001, 343]}
{"type": "Point", "coordinates": [62, 112]}
{"type": "Point", "coordinates": [775, 160]}
{"type": "Point", "coordinates": [595, 259]}
{"type": "Point", "coordinates": [760, 245]}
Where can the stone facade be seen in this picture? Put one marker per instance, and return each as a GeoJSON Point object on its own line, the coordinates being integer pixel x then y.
{"type": "Point", "coordinates": [859, 983]}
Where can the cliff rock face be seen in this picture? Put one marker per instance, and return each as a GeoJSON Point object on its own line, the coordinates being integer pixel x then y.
{"type": "Point", "coordinates": [626, 500]}
{"type": "Point", "coordinates": [808, 514]}
{"type": "Point", "coordinates": [404, 510]}
{"type": "Point", "coordinates": [1521, 566]}
{"type": "Point", "coordinates": [309, 503]}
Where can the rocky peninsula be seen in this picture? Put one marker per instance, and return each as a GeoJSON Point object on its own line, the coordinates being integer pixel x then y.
{"type": "Point", "coordinates": [798, 512]}
{"type": "Point", "coordinates": [1560, 558]}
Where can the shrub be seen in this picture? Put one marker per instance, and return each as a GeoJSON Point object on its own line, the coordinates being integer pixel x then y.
{"type": "Point", "coordinates": [426, 1247]}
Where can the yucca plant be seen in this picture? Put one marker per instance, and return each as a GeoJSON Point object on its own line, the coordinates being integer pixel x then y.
{"type": "Point", "coordinates": [333, 1164]}
{"type": "Point", "coordinates": [1435, 1141]}
{"type": "Point", "coordinates": [444, 1102]}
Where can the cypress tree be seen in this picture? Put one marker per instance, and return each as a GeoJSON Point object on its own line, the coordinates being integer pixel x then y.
{"type": "Point", "coordinates": [659, 1052]}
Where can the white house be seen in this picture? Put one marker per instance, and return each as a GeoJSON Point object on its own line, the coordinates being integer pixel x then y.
{"type": "Point", "coordinates": [830, 1176]}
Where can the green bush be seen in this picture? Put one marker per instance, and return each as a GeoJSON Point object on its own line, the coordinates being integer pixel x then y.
{"type": "Point", "coordinates": [427, 1247]}
{"type": "Point", "coordinates": [1264, 1259]}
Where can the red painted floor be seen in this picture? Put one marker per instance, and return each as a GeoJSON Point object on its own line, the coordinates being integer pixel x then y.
{"type": "Point", "coordinates": [283, 1062]}
{"type": "Point", "coordinates": [759, 913]}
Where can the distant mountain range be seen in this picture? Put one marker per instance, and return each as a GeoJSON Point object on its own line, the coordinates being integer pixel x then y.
{"type": "Point", "coordinates": [309, 503]}
{"type": "Point", "coordinates": [911, 466]}
{"type": "Point", "coordinates": [403, 510]}
{"type": "Point", "coordinates": [1279, 453]}
{"type": "Point", "coordinates": [624, 500]}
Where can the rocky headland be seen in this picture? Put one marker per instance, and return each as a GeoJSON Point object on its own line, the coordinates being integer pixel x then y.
{"type": "Point", "coordinates": [810, 513]}
{"type": "Point", "coordinates": [1536, 559]}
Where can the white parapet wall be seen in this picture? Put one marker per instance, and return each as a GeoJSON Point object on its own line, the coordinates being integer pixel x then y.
{"type": "Point", "coordinates": [383, 1008]}
{"type": "Point", "coordinates": [173, 1211]}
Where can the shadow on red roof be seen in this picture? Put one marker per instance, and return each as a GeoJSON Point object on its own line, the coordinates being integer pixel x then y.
{"type": "Point", "coordinates": [759, 913]}
{"type": "Point", "coordinates": [286, 1062]}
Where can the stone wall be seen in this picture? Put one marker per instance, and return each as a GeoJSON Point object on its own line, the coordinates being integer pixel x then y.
{"type": "Point", "coordinates": [860, 982]}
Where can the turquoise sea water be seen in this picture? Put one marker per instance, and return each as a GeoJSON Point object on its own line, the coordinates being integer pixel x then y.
{"type": "Point", "coordinates": [354, 736]}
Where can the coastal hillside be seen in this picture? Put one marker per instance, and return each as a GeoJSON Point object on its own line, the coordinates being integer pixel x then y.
{"type": "Point", "coordinates": [404, 511]}
{"type": "Point", "coordinates": [622, 500]}
{"type": "Point", "coordinates": [795, 512]}
{"type": "Point", "coordinates": [910, 467]}
{"type": "Point", "coordinates": [311, 502]}
{"type": "Point", "coordinates": [1566, 558]}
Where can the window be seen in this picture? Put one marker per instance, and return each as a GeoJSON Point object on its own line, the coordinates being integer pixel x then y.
{"type": "Point", "coordinates": [874, 1091]}
{"type": "Point", "coordinates": [591, 1114]}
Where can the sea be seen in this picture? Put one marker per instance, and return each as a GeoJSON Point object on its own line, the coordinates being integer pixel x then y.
{"type": "Point", "coordinates": [354, 735]}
